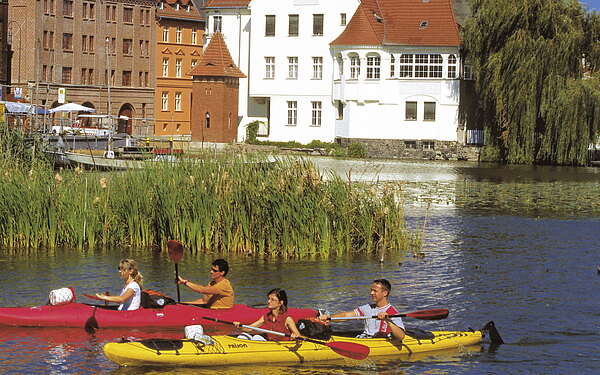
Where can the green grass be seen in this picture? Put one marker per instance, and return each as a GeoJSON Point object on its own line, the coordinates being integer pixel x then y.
{"type": "Point", "coordinates": [213, 204]}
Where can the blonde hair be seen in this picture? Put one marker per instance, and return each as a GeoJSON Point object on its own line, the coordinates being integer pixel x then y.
{"type": "Point", "coordinates": [131, 265]}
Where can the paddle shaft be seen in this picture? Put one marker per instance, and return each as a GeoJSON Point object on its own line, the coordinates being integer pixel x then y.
{"type": "Point", "coordinates": [177, 282]}
{"type": "Point", "coordinates": [434, 314]}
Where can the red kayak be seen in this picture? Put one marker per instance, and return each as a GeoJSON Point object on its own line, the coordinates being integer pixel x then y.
{"type": "Point", "coordinates": [177, 315]}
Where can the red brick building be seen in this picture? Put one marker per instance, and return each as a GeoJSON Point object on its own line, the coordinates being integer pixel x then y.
{"type": "Point", "coordinates": [215, 92]}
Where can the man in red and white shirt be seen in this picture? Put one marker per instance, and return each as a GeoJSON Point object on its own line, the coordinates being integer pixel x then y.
{"type": "Point", "coordinates": [382, 325]}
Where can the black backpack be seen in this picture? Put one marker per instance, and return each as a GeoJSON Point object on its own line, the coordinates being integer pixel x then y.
{"type": "Point", "coordinates": [314, 329]}
{"type": "Point", "coordinates": [155, 300]}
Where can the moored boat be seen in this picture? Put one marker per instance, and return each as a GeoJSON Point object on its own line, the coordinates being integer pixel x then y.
{"type": "Point", "coordinates": [229, 350]}
{"type": "Point", "coordinates": [176, 315]}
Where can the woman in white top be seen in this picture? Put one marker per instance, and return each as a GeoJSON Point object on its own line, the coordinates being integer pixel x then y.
{"type": "Point", "coordinates": [131, 295]}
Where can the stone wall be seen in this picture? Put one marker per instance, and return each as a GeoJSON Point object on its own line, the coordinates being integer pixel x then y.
{"type": "Point", "coordinates": [414, 149]}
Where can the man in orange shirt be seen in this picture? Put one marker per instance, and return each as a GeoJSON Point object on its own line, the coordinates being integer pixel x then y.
{"type": "Point", "coordinates": [218, 294]}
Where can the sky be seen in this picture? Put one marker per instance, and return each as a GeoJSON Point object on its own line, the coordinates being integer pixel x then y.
{"type": "Point", "coordinates": [592, 4]}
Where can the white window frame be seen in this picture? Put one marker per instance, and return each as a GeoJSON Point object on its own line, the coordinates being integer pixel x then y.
{"type": "Point", "coordinates": [373, 67]}
{"type": "Point", "coordinates": [165, 67]}
{"type": "Point", "coordinates": [178, 101]}
{"type": "Point", "coordinates": [429, 119]}
{"type": "Point", "coordinates": [292, 113]}
{"type": "Point", "coordinates": [269, 67]}
{"type": "Point", "coordinates": [406, 68]}
{"type": "Point", "coordinates": [194, 35]}
{"type": "Point", "coordinates": [165, 34]}
{"type": "Point", "coordinates": [317, 114]}
{"type": "Point", "coordinates": [317, 67]}
{"type": "Point", "coordinates": [392, 66]}
{"type": "Point", "coordinates": [217, 24]}
{"type": "Point", "coordinates": [165, 100]}
{"type": "Point", "coordinates": [292, 67]}
{"type": "Point", "coordinates": [354, 66]}
{"type": "Point", "coordinates": [452, 64]}
{"type": "Point", "coordinates": [178, 66]}
{"type": "Point", "coordinates": [178, 35]}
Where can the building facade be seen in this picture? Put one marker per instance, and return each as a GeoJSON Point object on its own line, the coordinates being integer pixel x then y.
{"type": "Point", "coordinates": [4, 47]}
{"type": "Point", "coordinates": [348, 69]}
{"type": "Point", "coordinates": [180, 38]}
{"type": "Point", "coordinates": [99, 52]}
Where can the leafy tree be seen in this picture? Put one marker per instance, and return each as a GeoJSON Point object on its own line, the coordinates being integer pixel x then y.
{"type": "Point", "coordinates": [536, 80]}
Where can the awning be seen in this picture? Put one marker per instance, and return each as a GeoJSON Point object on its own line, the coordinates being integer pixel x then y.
{"type": "Point", "coordinates": [23, 108]}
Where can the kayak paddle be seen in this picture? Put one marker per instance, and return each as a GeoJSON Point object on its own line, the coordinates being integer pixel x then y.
{"type": "Point", "coordinates": [176, 253]}
{"type": "Point", "coordinates": [434, 314]}
{"type": "Point", "coordinates": [346, 349]}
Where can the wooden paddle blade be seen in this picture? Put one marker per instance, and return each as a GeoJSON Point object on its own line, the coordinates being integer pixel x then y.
{"type": "Point", "coordinates": [349, 349]}
{"type": "Point", "coordinates": [175, 249]}
{"type": "Point", "coordinates": [434, 314]}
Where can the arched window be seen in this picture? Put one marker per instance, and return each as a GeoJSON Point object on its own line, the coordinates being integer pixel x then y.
{"type": "Point", "coordinates": [451, 66]}
{"type": "Point", "coordinates": [392, 66]}
{"type": "Point", "coordinates": [373, 66]}
{"type": "Point", "coordinates": [354, 66]}
{"type": "Point", "coordinates": [207, 120]}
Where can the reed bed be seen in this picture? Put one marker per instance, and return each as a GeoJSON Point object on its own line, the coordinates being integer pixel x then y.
{"type": "Point", "coordinates": [212, 204]}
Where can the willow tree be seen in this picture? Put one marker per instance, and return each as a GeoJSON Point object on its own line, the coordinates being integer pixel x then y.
{"type": "Point", "coordinates": [537, 90]}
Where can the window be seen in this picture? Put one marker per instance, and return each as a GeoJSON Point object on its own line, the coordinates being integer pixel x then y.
{"type": "Point", "coordinates": [451, 66]}
{"type": "Point", "coordinates": [165, 126]}
{"type": "Point", "coordinates": [178, 35]}
{"type": "Point", "coordinates": [293, 67]}
{"type": "Point", "coordinates": [406, 65]}
{"type": "Point", "coordinates": [68, 8]}
{"type": "Point", "coordinates": [411, 111]}
{"type": "Point", "coordinates": [127, 46]}
{"type": "Point", "coordinates": [128, 15]}
{"type": "Point", "coordinates": [83, 76]}
{"type": "Point", "coordinates": [84, 43]}
{"type": "Point", "coordinates": [317, 68]}
{"type": "Point", "coordinates": [178, 101]}
{"type": "Point", "coordinates": [165, 67]}
{"type": "Point", "coordinates": [292, 113]}
{"type": "Point", "coordinates": [178, 68]}
{"type": "Point", "coordinates": [435, 66]}
{"type": "Point", "coordinates": [84, 14]}
{"type": "Point", "coordinates": [293, 25]}
{"type": "Point", "coordinates": [67, 42]}
{"type": "Point", "coordinates": [90, 77]}
{"type": "Point", "coordinates": [392, 66]}
{"type": "Point", "coordinates": [44, 72]}
{"type": "Point", "coordinates": [428, 145]}
{"type": "Point", "coordinates": [51, 40]}
{"type": "Point", "coordinates": [269, 67]}
{"type": "Point", "coordinates": [373, 67]}
{"type": "Point", "coordinates": [66, 74]}
{"type": "Point", "coordinates": [354, 66]}
{"type": "Point", "coordinates": [194, 63]}
{"type": "Point", "coordinates": [340, 109]}
{"type": "Point", "coordinates": [92, 11]}
{"type": "Point", "coordinates": [126, 78]}
{"type": "Point", "coordinates": [342, 19]}
{"type": "Point", "coordinates": [165, 34]}
{"type": "Point", "coordinates": [91, 44]}
{"type": "Point", "coordinates": [178, 127]}
{"type": "Point", "coordinates": [421, 65]}
{"type": "Point", "coordinates": [165, 100]}
{"type": "Point", "coordinates": [269, 25]}
{"type": "Point", "coordinates": [410, 144]}
{"type": "Point", "coordinates": [194, 36]}
{"type": "Point", "coordinates": [46, 9]}
{"type": "Point", "coordinates": [317, 24]}
{"type": "Point", "coordinates": [316, 114]}
{"type": "Point", "coordinates": [113, 45]}
{"type": "Point", "coordinates": [207, 120]}
{"type": "Point", "coordinates": [429, 111]}
{"type": "Point", "coordinates": [467, 72]}
{"type": "Point", "coordinates": [217, 24]}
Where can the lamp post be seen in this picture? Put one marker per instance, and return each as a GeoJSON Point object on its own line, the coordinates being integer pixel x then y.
{"type": "Point", "coordinates": [108, 74]}
{"type": "Point", "coordinates": [9, 37]}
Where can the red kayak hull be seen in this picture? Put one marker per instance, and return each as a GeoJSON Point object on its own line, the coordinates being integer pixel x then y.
{"type": "Point", "coordinates": [179, 315]}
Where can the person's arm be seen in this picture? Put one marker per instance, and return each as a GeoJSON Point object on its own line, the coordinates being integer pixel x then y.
{"type": "Point", "coordinates": [397, 332]}
{"type": "Point", "coordinates": [129, 293]}
{"type": "Point", "coordinates": [201, 288]}
{"type": "Point", "coordinates": [345, 314]}
{"type": "Point", "coordinates": [291, 325]}
{"type": "Point", "coordinates": [258, 323]}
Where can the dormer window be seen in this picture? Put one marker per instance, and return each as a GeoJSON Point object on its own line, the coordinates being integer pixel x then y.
{"type": "Point", "coordinates": [161, 5]}
{"type": "Point", "coordinates": [377, 17]}
{"type": "Point", "coordinates": [423, 24]}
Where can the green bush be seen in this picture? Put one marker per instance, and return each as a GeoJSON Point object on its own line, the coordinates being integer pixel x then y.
{"type": "Point", "coordinates": [357, 150]}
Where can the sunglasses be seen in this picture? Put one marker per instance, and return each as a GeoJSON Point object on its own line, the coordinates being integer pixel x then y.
{"type": "Point", "coordinates": [215, 270]}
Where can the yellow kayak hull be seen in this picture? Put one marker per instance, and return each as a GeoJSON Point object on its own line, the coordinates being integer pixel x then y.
{"type": "Point", "coordinates": [228, 350]}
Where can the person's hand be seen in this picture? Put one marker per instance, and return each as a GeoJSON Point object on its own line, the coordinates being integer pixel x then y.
{"type": "Point", "coordinates": [101, 296]}
{"type": "Point", "coordinates": [181, 280]}
{"type": "Point", "coordinates": [294, 336]}
{"type": "Point", "coordinates": [382, 316]}
{"type": "Point", "coordinates": [324, 317]}
{"type": "Point", "coordinates": [237, 324]}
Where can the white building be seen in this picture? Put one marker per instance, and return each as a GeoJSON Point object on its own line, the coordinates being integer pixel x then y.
{"type": "Point", "coordinates": [350, 69]}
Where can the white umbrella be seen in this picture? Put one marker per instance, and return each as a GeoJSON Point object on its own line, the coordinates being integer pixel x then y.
{"type": "Point", "coordinates": [71, 107]}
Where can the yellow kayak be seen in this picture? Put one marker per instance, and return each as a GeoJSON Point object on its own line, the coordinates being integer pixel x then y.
{"type": "Point", "coordinates": [228, 350]}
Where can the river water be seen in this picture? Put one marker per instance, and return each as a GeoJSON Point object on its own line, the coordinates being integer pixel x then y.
{"type": "Point", "coordinates": [516, 245]}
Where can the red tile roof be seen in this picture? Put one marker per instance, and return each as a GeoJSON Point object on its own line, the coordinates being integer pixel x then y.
{"type": "Point", "coordinates": [227, 3]}
{"type": "Point", "coordinates": [401, 22]}
{"type": "Point", "coordinates": [217, 61]}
